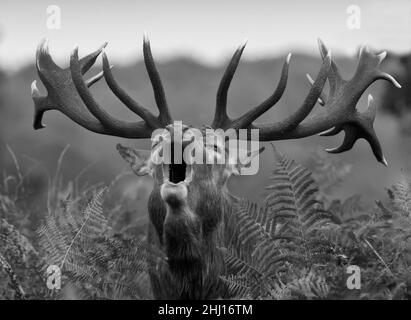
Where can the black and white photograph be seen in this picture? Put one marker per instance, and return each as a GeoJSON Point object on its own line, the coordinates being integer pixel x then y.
{"type": "Point", "coordinates": [235, 152]}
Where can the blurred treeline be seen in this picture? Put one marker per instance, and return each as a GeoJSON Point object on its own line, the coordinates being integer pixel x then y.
{"type": "Point", "coordinates": [190, 88]}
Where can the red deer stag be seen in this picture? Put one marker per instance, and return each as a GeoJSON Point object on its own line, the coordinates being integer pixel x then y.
{"type": "Point", "coordinates": [188, 203]}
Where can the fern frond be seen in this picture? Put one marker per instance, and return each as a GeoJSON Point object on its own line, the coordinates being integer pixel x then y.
{"type": "Point", "coordinates": [237, 286]}
{"type": "Point", "coordinates": [64, 238]}
{"type": "Point", "coordinates": [293, 199]}
{"type": "Point", "coordinates": [310, 286]}
{"type": "Point", "coordinates": [402, 196]}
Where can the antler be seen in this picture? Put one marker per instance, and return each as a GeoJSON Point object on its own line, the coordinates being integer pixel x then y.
{"type": "Point", "coordinates": [338, 114]}
{"type": "Point", "coordinates": [70, 94]}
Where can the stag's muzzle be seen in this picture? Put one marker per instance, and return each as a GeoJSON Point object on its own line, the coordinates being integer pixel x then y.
{"type": "Point", "coordinates": [174, 194]}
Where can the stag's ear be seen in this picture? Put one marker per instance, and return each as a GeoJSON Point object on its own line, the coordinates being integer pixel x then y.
{"type": "Point", "coordinates": [137, 159]}
{"type": "Point", "coordinates": [247, 162]}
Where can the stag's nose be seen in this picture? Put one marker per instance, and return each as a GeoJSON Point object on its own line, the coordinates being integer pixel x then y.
{"type": "Point", "coordinates": [174, 194]}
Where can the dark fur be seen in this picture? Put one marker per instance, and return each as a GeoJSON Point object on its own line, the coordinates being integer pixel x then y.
{"type": "Point", "coordinates": [190, 235]}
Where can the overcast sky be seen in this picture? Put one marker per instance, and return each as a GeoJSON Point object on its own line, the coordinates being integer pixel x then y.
{"type": "Point", "coordinates": [208, 30]}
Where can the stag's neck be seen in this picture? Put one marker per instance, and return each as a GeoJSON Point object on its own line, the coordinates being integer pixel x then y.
{"type": "Point", "coordinates": [195, 260]}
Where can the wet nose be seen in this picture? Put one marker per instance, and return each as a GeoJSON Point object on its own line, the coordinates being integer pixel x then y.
{"type": "Point", "coordinates": [175, 195]}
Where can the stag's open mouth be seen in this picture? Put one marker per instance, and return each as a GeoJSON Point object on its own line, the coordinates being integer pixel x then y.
{"type": "Point", "coordinates": [176, 178]}
{"type": "Point", "coordinates": [175, 173]}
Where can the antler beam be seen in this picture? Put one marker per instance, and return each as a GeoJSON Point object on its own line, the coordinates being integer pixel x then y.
{"type": "Point", "coordinates": [69, 93]}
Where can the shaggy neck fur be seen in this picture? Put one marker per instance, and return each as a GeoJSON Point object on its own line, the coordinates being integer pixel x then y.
{"type": "Point", "coordinates": [190, 235]}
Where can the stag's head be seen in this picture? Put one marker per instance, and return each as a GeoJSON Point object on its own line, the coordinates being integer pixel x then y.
{"type": "Point", "coordinates": [190, 168]}
{"type": "Point", "coordinates": [189, 197]}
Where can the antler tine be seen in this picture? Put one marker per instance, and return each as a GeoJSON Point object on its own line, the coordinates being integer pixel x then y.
{"type": "Point", "coordinates": [125, 98]}
{"type": "Point", "coordinates": [95, 78]}
{"type": "Point", "coordinates": [322, 98]}
{"type": "Point", "coordinates": [111, 124]}
{"type": "Point", "coordinates": [44, 62]}
{"type": "Point", "coordinates": [247, 119]}
{"type": "Point", "coordinates": [315, 92]}
{"type": "Point", "coordinates": [220, 116]}
{"type": "Point", "coordinates": [88, 61]}
{"type": "Point", "coordinates": [158, 89]}
{"type": "Point", "coordinates": [334, 77]}
{"type": "Point", "coordinates": [275, 131]}
{"type": "Point", "coordinates": [41, 105]}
